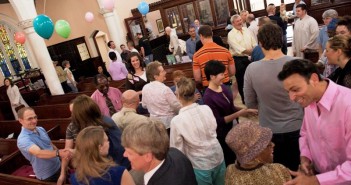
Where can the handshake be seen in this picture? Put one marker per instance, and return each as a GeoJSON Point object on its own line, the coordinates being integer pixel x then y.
{"type": "Point", "coordinates": [65, 153]}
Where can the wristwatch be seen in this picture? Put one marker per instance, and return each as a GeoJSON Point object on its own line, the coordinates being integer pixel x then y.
{"type": "Point", "coordinates": [57, 153]}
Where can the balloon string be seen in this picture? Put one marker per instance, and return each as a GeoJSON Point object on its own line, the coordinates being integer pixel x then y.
{"type": "Point", "coordinates": [44, 6]}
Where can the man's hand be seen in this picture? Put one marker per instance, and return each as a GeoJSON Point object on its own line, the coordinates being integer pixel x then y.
{"type": "Point", "coordinates": [65, 154]}
{"type": "Point", "coordinates": [248, 112]}
{"type": "Point", "coordinates": [302, 179]}
{"type": "Point", "coordinates": [306, 166]}
{"type": "Point", "coordinates": [303, 49]}
{"type": "Point", "coordinates": [197, 96]}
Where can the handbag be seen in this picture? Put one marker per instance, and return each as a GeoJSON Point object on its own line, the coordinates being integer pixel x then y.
{"type": "Point", "coordinates": [19, 107]}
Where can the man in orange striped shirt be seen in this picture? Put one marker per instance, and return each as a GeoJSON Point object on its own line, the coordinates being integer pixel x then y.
{"type": "Point", "coordinates": [211, 51]}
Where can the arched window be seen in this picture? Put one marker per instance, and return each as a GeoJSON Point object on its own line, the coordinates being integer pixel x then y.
{"type": "Point", "coordinates": [11, 53]}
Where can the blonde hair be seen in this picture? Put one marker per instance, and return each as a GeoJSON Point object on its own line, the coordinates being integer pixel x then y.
{"type": "Point", "coordinates": [342, 42]}
{"type": "Point", "coordinates": [152, 70]}
{"type": "Point", "coordinates": [147, 136]}
{"type": "Point", "coordinates": [186, 89]}
{"type": "Point", "coordinates": [87, 159]}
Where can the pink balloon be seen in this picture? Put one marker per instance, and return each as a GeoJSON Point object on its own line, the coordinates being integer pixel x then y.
{"type": "Point", "coordinates": [109, 4]}
{"type": "Point", "coordinates": [20, 37]}
{"type": "Point", "coordinates": [89, 17]}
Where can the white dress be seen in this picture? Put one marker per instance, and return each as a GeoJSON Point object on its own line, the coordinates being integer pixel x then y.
{"type": "Point", "coordinates": [15, 99]}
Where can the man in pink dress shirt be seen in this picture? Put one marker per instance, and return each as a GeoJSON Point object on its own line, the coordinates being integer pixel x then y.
{"type": "Point", "coordinates": [104, 92]}
{"type": "Point", "coordinates": [325, 142]}
{"type": "Point", "coordinates": [117, 69]}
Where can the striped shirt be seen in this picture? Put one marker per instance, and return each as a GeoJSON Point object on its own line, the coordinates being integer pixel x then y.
{"type": "Point", "coordinates": [212, 51]}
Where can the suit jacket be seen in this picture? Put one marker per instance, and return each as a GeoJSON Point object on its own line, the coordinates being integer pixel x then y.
{"type": "Point", "coordinates": [175, 170]}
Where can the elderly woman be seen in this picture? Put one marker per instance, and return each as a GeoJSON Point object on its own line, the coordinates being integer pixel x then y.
{"type": "Point", "coordinates": [254, 157]}
{"type": "Point", "coordinates": [193, 132]}
{"type": "Point", "coordinates": [15, 97]}
{"type": "Point", "coordinates": [91, 161]}
{"type": "Point", "coordinates": [157, 97]}
{"type": "Point", "coordinates": [338, 52]}
{"type": "Point", "coordinates": [220, 100]}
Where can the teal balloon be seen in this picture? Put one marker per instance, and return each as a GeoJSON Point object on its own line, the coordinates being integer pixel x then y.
{"type": "Point", "coordinates": [44, 26]}
{"type": "Point", "coordinates": [143, 8]}
{"type": "Point", "coordinates": [63, 28]}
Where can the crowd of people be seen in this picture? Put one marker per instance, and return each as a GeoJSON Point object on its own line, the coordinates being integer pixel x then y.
{"type": "Point", "coordinates": [153, 134]}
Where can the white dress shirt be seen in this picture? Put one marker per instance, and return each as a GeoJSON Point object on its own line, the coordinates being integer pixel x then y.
{"type": "Point", "coordinates": [240, 41]}
{"type": "Point", "coordinates": [193, 132]}
{"type": "Point", "coordinates": [160, 101]}
{"type": "Point", "coordinates": [148, 175]}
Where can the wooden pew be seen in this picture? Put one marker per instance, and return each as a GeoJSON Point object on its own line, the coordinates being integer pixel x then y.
{"type": "Point", "coordinates": [52, 111]}
{"type": "Point", "coordinates": [13, 126]}
{"type": "Point", "coordinates": [90, 86]}
{"type": "Point", "coordinates": [87, 86]}
{"type": "Point", "coordinates": [16, 160]}
{"type": "Point", "coordinates": [60, 99]}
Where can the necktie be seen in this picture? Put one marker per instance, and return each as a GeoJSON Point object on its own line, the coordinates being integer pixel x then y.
{"type": "Point", "coordinates": [110, 106]}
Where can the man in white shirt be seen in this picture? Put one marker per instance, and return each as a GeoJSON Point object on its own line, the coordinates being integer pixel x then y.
{"type": "Point", "coordinates": [305, 32]}
{"type": "Point", "coordinates": [146, 145]}
{"type": "Point", "coordinates": [241, 43]}
{"type": "Point", "coordinates": [253, 25]}
{"type": "Point", "coordinates": [174, 45]}
{"type": "Point", "coordinates": [112, 47]}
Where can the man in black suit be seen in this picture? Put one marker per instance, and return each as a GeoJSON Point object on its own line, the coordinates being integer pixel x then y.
{"type": "Point", "coordinates": [147, 148]}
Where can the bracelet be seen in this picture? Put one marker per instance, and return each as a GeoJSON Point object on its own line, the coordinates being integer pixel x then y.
{"type": "Point", "coordinates": [57, 153]}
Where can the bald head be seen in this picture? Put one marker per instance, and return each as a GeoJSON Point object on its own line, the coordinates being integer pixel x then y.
{"type": "Point", "coordinates": [168, 30]}
{"type": "Point", "coordinates": [250, 18]}
{"type": "Point", "coordinates": [130, 99]}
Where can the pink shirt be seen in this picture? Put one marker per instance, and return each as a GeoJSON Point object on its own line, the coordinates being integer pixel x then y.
{"type": "Point", "coordinates": [118, 70]}
{"type": "Point", "coordinates": [114, 94]}
{"type": "Point", "coordinates": [160, 101]}
{"type": "Point", "coordinates": [326, 139]}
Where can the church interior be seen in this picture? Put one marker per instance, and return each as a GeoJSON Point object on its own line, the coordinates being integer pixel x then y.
{"type": "Point", "coordinates": [37, 35]}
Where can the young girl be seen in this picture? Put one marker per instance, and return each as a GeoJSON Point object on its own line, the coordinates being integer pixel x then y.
{"type": "Point", "coordinates": [91, 162]}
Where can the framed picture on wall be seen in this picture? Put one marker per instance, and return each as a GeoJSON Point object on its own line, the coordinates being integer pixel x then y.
{"type": "Point", "coordinates": [159, 24]}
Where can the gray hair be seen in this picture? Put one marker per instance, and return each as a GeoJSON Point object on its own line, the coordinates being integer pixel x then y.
{"type": "Point", "coordinates": [330, 13]}
{"type": "Point", "coordinates": [234, 17]}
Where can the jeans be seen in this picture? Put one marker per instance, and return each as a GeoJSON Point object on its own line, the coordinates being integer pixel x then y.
{"type": "Point", "coordinates": [148, 59]}
{"type": "Point", "coordinates": [74, 88]}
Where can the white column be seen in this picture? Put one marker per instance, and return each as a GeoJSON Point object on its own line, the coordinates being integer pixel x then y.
{"type": "Point", "coordinates": [113, 25]}
{"type": "Point", "coordinates": [26, 25]}
{"type": "Point", "coordinates": [26, 12]}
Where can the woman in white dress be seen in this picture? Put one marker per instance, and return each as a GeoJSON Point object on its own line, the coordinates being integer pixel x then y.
{"type": "Point", "coordinates": [14, 96]}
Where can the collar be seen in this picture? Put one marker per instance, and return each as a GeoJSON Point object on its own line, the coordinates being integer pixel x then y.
{"type": "Point", "coordinates": [157, 82]}
{"type": "Point", "coordinates": [150, 173]}
{"type": "Point", "coordinates": [26, 131]}
{"type": "Point", "coordinates": [210, 44]}
{"type": "Point", "coordinates": [329, 95]}
{"type": "Point", "coordinates": [100, 93]}
{"type": "Point", "coordinates": [193, 105]}
{"type": "Point", "coordinates": [125, 109]}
